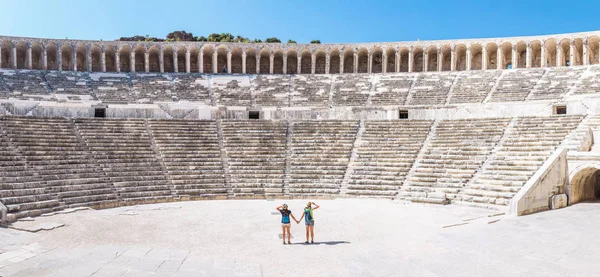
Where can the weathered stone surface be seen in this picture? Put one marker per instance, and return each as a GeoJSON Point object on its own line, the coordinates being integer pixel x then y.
{"type": "Point", "coordinates": [558, 201]}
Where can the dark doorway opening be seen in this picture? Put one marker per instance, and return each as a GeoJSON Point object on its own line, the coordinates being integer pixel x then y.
{"type": "Point", "coordinates": [403, 114]}
{"type": "Point", "coordinates": [100, 112]}
{"type": "Point", "coordinates": [560, 110]}
{"type": "Point", "coordinates": [254, 115]}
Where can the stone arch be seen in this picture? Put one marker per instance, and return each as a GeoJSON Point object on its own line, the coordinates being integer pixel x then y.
{"type": "Point", "coordinates": [446, 58]}
{"type": "Point", "coordinates": [506, 61]}
{"type": "Point", "coordinates": [348, 60]}
{"type": "Point", "coordinates": [67, 54]}
{"type": "Point", "coordinates": [584, 183]}
{"type": "Point", "coordinates": [194, 59]}
{"type": "Point", "coordinates": [6, 54]}
{"type": "Point", "coordinates": [109, 55]}
{"type": "Point", "coordinates": [236, 60]}
{"type": "Point", "coordinates": [51, 56]}
{"type": "Point", "coordinates": [334, 61]}
{"type": "Point", "coordinates": [564, 57]}
{"type": "Point", "coordinates": [418, 59]}
{"type": "Point", "coordinates": [222, 52]}
{"type": "Point", "coordinates": [292, 61]}
{"type": "Point", "coordinates": [536, 53]}
{"type": "Point", "coordinates": [81, 50]}
{"type": "Point", "coordinates": [265, 61]}
{"type": "Point", "coordinates": [391, 59]}
{"type": "Point", "coordinates": [124, 58]}
{"type": "Point", "coordinates": [476, 51]}
{"type": "Point", "coordinates": [140, 58]}
{"type": "Point", "coordinates": [363, 60]}
{"type": "Point", "coordinates": [181, 59]}
{"type": "Point", "coordinates": [460, 51]}
{"type": "Point", "coordinates": [376, 60]}
{"type": "Point", "coordinates": [521, 52]}
{"type": "Point", "coordinates": [36, 56]}
{"type": "Point", "coordinates": [154, 58]}
{"type": "Point", "coordinates": [403, 52]}
{"type": "Point", "coordinates": [21, 54]}
{"type": "Point", "coordinates": [432, 58]}
{"type": "Point", "coordinates": [207, 60]}
{"type": "Point", "coordinates": [320, 61]}
{"type": "Point", "coordinates": [306, 62]}
{"type": "Point", "coordinates": [550, 58]}
{"type": "Point", "coordinates": [96, 56]}
{"type": "Point", "coordinates": [278, 61]}
{"type": "Point", "coordinates": [593, 43]}
{"type": "Point", "coordinates": [251, 61]}
{"type": "Point", "coordinates": [492, 55]}
{"type": "Point", "coordinates": [168, 53]}
{"type": "Point", "coordinates": [578, 55]}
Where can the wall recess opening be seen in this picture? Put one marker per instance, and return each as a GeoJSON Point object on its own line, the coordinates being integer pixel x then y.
{"type": "Point", "coordinates": [254, 115]}
{"type": "Point", "coordinates": [562, 109]}
{"type": "Point", "coordinates": [403, 114]}
{"type": "Point", "coordinates": [100, 112]}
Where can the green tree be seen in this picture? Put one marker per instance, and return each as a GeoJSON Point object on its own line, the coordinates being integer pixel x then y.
{"type": "Point", "coordinates": [272, 40]}
{"type": "Point", "coordinates": [201, 38]}
{"type": "Point", "coordinates": [180, 36]}
{"type": "Point", "coordinates": [315, 41]}
{"type": "Point", "coordinates": [291, 41]}
{"type": "Point", "coordinates": [256, 40]}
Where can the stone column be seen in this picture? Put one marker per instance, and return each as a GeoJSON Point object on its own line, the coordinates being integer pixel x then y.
{"type": "Point", "coordinates": [161, 60]}
{"type": "Point", "coordinates": [73, 58]}
{"type": "Point", "coordinates": [147, 61]}
{"type": "Point", "coordinates": [410, 60]}
{"type": "Point", "coordinates": [229, 62]}
{"type": "Point", "coordinates": [484, 60]}
{"type": "Point", "coordinates": [499, 59]}
{"type": "Point", "coordinates": [175, 62]}
{"type": "Point", "coordinates": [453, 58]}
{"type": "Point", "coordinates": [132, 61]}
{"type": "Point", "coordinates": [327, 63]}
{"type": "Point", "coordinates": [425, 61]}
{"type": "Point", "coordinates": [299, 65]}
{"type": "Point", "coordinates": [59, 58]}
{"type": "Point", "coordinates": [468, 53]}
{"type": "Point", "coordinates": [0, 55]}
{"type": "Point", "coordinates": [102, 60]}
{"type": "Point", "coordinates": [244, 62]}
{"type": "Point", "coordinates": [355, 62]}
{"type": "Point", "coordinates": [341, 63]}
{"type": "Point", "coordinates": [14, 56]}
{"type": "Point", "coordinates": [572, 50]}
{"type": "Point", "coordinates": [313, 63]}
{"type": "Point", "coordinates": [398, 60]}
{"type": "Point", "coordinates": [369, 62]}
{"type": "Point", "coordinates": [586, 57]}
{"type": "Point", "coordinates": [515, 59]}
{"type": "Point", "coordinates": [88, 58]}
{"type": "Point", "coordinates": [271, 63]}
{"type": "Point", "coordinates": [543, 58]}
{"type": "Point", "coordinates": [215, 62]}
{"type": "Point", "coordinates": [284, 69]}
{"type": "Point", "coordinates": [257, 63]}
{"type": "Point", "coordinates": [558, 55]}
{"type": "Point", "coordinates": [384, 62]}
{"type": "Point", "coordinates": [201, 61]}
{"type": "Point", "coordinates": [528, 56]}
{"type": "Point", "coordinates": [44, 57]}
{"type": "Point", "coordinates": [188, 61]}
{"type": "Point", "coordinates": [117, 61]}
{"type": "Point", "coordinates": [28, 60]}
{"type": "Point", "coordinates": [440, 59]}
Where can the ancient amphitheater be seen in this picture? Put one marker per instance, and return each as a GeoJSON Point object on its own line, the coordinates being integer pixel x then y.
{"type": "Point", "coordinates": [504, 124]}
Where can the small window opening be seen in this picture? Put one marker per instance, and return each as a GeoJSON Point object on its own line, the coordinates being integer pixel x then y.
{"type": "Point", "coordinates": [403, 114]}
{"type": "Point", "coordinates": [560, 110]}
{"type": "Point", "coordinates": [253, 115]}
{"type": "Point", "coordinates": [100, 112]}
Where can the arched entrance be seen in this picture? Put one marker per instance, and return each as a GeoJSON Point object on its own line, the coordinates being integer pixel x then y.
{"type": "Point", "coordinates": [584, 183]}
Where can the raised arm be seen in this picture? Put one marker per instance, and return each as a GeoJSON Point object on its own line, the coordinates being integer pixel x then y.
{"type": "Point", "coordinates": [315, 206]}
{"type": "Point", "coordinates": [279, 208]}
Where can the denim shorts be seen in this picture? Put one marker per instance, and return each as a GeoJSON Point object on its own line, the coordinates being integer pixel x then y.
{"type": "Point", "coordinates": [311, 223]}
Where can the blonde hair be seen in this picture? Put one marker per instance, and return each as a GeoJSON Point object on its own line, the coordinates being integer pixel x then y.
{"type": "Point", "coordinates": [308, 205]}
{"type": "Point", "coordinates": [285, 206]}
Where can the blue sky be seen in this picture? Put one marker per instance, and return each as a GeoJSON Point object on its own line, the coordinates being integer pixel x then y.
{"type": "Point", "coordinates": [302, 20]}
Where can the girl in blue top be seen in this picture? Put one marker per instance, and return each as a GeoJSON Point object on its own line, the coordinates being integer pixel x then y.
{"type": "Point", "coordinates": [285, 221]}
{"type": "Point", "coordinates": [309, 220]}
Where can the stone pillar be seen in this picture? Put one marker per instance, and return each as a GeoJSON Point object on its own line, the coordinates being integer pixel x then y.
{"type": "Point", "coordinates": [88, 58]}
{"type": "Point", "coordinates": [147, 61]}
{"type": "Point", "coordinates": [175, 62]}
{"type": "Point", "coordinates": [398, 60]}
{"type": "Point", "coordinates": [410, 60]}
{"type": "Point", "coordinates": [313, 63]}
{"type": "Point", "coordinates": [468, 53]}
{"type": "Point", "coordinates": [243, 62]}
{"type": "Point", "coordinates": [257, 63]}
{"type": "Point", "coordinates": [440, 58]}
{"type": "Point", "coordinates": [425, 61]}
{"type": "Point", "coordinates": [73, 58]}
{"type": "Point", "coordinates": [484, 60]}
{"type": "Point", "coordinates": [229, 62]}
{"type": "Point", "coordinates": [558, 55]}
{"type": "Point", "coordinates": [215, 62]}
{"type": "Point", "coordinates": [586, 57]}
{"type": "Point", "coordinates": [572, 50]}
{"type": "Point", "coordinates": [28, 60]}
{"type": "Point", "coordinates": [44, 57]}
{"type": "Point", "coordinates": [284, 69]}
{"type": "Point", "coordinates": [299, 65]}
{"type": "Point", "coordinates": [118, 61]}
{"type": "Point", "coordinates": [201, 61]}
{"type": "Point", "coordinates": [384, 62]}
{"type": "Point", "coordinates": [369, 62]}
{"type": "Point", "coordinates": [132, 61]}
{"type": "Point", "coordinates": [499, 59]}
{"type": "Point", "coordinates": [543, 58]}
{"type": "Point", "coordinates": [515, 59]}
{"type": "Point", "coordinates": [161, 60]}
{"type": "Point", "coordinates": [188, 61]}
{"type": "Point", "coordinates": [528, 56]}
{"type": "Point", "coordinates": [0, 55]}
{"type": "Point", "coordinates": [341, 63]}
{"type": "Point", "coordinates": [14, 56]}
{"type": "Point", "coordinates": [355, 62]}
{"type": "Point", "coordinates": [453, 58]}
{"type": "Point", "coordinates": [327, 60]}
{"type": "Point", "coordinates": [271, 63]}
{"type": "Point", "coordinates": [59, 58]}
{"type": "Point", "coordinates": [102, 60]}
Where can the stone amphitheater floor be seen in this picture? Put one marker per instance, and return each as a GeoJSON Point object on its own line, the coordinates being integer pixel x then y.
{"type": "Point", "coordinates": [353, 238]}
